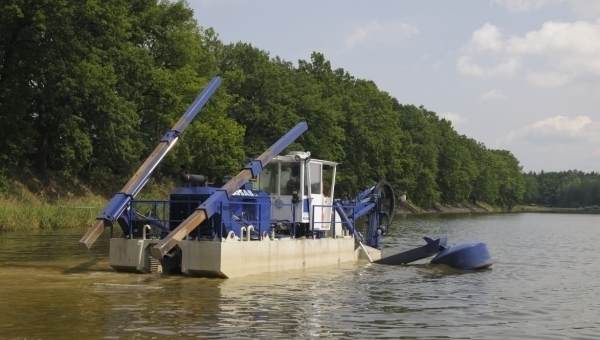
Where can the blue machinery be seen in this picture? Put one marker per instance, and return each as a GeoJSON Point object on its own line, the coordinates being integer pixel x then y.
{"type": "Point", "coordinates": [121, 200]}
{"type": "Point", "coordinates": [273, 198]}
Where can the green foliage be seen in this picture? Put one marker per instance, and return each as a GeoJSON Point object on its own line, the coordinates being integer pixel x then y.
{"type": "Point", "coordinates": [4, 183]}
{"type": "Point", "coordinates": [16, 215]}
{"type": "Point", "coordinates": [262, 95]}
{"type": "Point", "coordinates": [94, 85]}
{"type": "Point", "coordinates": [316, 103]}
{"type": "Point", "coordinates": [421, 156]}
{"type": "Point", "coordinates": [511, 183]}
{"type": "Point", "coordinates": [565, 189]}
{"type": "Point", "coordinates": [532, 192]}
{"type": "Point", "coordinates": [88, 89]}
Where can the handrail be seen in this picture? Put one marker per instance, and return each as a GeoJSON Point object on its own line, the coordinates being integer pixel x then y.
{"type": "Point", "coordinates": [207, 209]}
{"type": "Point", "coordinates": [161, 216]}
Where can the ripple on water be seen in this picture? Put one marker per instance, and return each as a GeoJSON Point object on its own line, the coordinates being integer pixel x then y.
{"type": "Point", "coordinates": [543, 285]}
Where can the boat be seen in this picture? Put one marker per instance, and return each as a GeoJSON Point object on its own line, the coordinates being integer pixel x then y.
{"type": "Point", "coordinates": [279, 213]}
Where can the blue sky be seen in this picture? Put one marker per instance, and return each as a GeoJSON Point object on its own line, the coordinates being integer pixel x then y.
{"type": "Point", "coordinates": [520, 75]}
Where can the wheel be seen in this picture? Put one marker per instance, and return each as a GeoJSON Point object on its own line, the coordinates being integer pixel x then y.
{"type": "Point", "coordinates": [386, 203]}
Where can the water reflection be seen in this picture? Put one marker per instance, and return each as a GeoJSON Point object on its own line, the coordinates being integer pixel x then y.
{"type": "Point", "coordinates": [538, 288]}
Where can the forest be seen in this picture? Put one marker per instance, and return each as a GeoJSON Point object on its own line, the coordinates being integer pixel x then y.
{"type": "Point", "coordinates": [88, 88]}
{"type": "Point", "coordinates": [565, 189]}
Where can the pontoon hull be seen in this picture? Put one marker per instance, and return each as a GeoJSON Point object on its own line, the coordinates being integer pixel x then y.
{"type": "Point", "coordinates": [240, 258]}
{"type": "Point", "coordinates": [131, 255]}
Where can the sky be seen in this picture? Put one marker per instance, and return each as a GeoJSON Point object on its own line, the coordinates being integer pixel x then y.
{"type": "Point", "coordinates": [518, 75]}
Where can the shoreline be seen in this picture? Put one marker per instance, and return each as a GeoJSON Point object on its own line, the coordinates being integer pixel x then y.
{"type": "Point", "coordinates": [478, 207]}
{"type": "Point", "coordinates": [28, 215]}
{"type": "Point", "coordinates": [486, 208]}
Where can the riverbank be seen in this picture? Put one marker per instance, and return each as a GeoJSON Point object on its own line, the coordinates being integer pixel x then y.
{"type": "Point", "coordinates": [543, 209]}
{"type": "Point", "coordinates": [55, 202]}
{"type": "Point", "coordinates": [31, 203]}
{"type": "Point", "coordinates": [481, 207]}
{"type": "Point", "coordinates": [41, 205]}
{"type": "Point", "coordinates": [37, 214]}
{"type": "Point", "coordinates": [478, 207]}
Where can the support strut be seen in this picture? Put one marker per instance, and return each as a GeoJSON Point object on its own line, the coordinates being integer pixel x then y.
{"type": "Point", "coordinates": [121, 200]}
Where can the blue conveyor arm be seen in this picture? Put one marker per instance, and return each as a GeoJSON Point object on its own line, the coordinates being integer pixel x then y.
{"type": "Point", "coordinates": [212, 204]}
{"type": "Point", "coordinates": [117, 205]}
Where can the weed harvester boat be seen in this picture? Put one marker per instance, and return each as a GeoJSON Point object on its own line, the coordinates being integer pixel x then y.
{"type": "Point", "coordinates": [278, 213]}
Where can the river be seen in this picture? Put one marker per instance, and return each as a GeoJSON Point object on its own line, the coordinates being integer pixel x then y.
{"type": "Point", "coordinates": [543, 285]}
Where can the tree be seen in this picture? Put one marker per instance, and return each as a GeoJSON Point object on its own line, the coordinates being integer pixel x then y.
{"type": "Point", "coordinates": [532, 194]}
{"type": "Point", "coordinates": [420, 160]}
{"type": "Point", "coordinates": [262, 95]}
{"type": "Point", "coordinates": [510, 179]}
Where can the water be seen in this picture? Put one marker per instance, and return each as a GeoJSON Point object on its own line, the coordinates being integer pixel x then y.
{"type": "Point", "coordinates": [543, 285]}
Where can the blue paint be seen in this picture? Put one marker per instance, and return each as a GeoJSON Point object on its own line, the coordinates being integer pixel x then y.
{"type": "Point", "coordinates": [465, 256]}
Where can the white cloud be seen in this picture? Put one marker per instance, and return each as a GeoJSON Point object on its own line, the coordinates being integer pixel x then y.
{"type": "Point", "coordinates": [558, 142]}
{"type": "Point", "coordinates": [554, 55]}
{"type": "Point", "coordinates": [578, 38]}
{"type": "Point", "coordinates": [487, 38]}
{"type": "Point", "coordinates": [493, 94]}
{"type": "Point", "coordinates": [377, 32]}
{"type": "Point", "coordinates": [558, 129]}
{"type": "Point", "coordinates": [453, 117]}
{"type": "Point", "coordinates": [505, 68]}
{"type": "Point", "coordinates": [561, 124]}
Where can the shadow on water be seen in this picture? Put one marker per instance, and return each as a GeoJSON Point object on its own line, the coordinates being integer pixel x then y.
{"type": "Point", "coordinates": [439, 270]}
{"type": "Point", "coordinates": [82, 267]}
{"type": "Point", "coordinates": [426, 270]}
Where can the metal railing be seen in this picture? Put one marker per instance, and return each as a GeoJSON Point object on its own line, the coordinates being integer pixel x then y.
{"type": "Point", "coordinates": [332, 221]}
{"type": "Point", "coordinates": [159, 212]}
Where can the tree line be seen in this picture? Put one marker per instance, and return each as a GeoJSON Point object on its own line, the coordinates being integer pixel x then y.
{"type": "Point", "coordinates": [565, 189]}
{"type": "Point", "coordinates": [90, 87]}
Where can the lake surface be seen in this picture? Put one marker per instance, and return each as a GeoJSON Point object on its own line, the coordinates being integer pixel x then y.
{"type": "Point", "coordinates": [544, 284]}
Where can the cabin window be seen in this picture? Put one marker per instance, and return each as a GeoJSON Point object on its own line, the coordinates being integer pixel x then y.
{"type": "Point", "coordinates": [267, 179]}
{"type": "Point", "coordinates": [290, 178]}
{"type": "Point", "coordinates": [327, 179]}
{"type": "Point", "coordinates": [315, 179]}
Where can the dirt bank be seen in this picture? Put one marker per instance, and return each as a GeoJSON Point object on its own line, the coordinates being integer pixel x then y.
{"type": "Point", "coordinates": [454, 208]}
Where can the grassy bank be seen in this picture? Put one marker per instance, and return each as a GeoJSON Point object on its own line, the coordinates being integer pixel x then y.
{"type": "Point", "coordinates": [466, 207]}
{"type": "Point", "coordinates": [53, 202]}
{"type": "Point", "coordinates": [32, 203]}
{"type": "Point", "coordinates": [19, 215]}
{"type": "Point", "coordinates": [543, 209]}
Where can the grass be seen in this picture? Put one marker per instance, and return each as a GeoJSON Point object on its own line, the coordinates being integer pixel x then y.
{"type": "Point", "coordinates": [31, 203]}
{"type": "Point", "coordinates": [15, 215]}
{"type": "Point", "coordinates": [54, 202]}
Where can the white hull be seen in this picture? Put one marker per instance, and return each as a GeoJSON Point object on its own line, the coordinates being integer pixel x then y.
{"type": "Point", "coordinates": [131, 255]}
{"type": "Point", "coordinates": [241, 258]}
